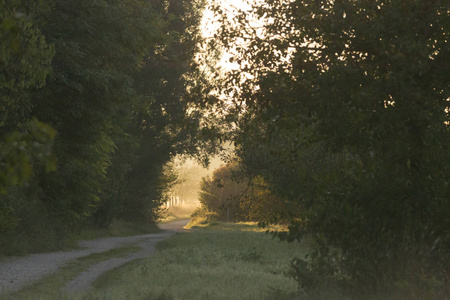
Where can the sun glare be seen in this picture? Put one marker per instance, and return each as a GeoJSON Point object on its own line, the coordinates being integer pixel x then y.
{"type": "Point", "coordinates": [211, 24]}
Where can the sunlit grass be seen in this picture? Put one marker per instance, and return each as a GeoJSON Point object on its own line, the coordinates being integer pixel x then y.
{"type": "Point", "coordinates": [180, 212]}
{"type": "Point", "coordinates": [239, 226]}
{"type": "Point", "coordinates": [226, 261]}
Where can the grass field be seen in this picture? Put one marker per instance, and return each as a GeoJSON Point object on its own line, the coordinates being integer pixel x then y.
{"type": "Point", "coordinates": [225, 261]}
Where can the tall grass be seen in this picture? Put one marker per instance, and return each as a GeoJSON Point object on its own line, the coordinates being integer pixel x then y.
{"type": "Point", "coordinates": [220, 262]}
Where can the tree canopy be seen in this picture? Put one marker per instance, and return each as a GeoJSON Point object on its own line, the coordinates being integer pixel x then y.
{"type": "Point", "coordinates": [96, 98]}
{"type": "Point", "coordinates": [344, 111]}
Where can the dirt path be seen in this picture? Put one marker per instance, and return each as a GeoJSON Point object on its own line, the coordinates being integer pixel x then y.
{"type": "Point", "coordinates": [16, 272]}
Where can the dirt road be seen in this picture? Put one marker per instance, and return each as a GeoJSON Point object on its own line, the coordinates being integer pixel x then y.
{"type": "Point", "coordinates": [16, 272]}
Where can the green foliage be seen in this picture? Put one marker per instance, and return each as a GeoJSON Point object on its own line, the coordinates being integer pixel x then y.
{"type": "Point", "coordinates": [25, 143]}
{"type": "Point", "coordinates": [346, 116]}
{"type": "Point", "coordinates": [90, 86]}
{"type": "Point", "coordinates": [230, 195]}
{"type": "Point", "coordinates": [160, 124]}
{"type": "Point", "coordinates": [26, 225]}
{"type": "Point", "coordinates": [21, 150]}
{"type": "Point", "coordinates": [260, 204]}
{"type": "Point", "coordinates": [111, 85]}
{"type": "Point", "coordinates": [25, 60]}
{"type": "Point", "coordinates": [222, 194]}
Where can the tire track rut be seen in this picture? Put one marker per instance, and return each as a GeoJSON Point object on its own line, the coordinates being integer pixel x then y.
{"type": "Point", "coordinates": [18, 272]}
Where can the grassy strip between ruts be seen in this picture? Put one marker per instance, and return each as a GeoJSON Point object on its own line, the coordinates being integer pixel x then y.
{"type": "Point", "coordinates": [50, 287]}
{"type": "Point", "coordinates": [225, 261]}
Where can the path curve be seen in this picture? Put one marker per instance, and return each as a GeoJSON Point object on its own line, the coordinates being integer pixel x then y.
{"type": "Point", "coordinates": [16, 272]}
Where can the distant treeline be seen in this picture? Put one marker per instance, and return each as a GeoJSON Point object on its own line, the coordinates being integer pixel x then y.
{"type": "Point", "coordinates": [93, 103]}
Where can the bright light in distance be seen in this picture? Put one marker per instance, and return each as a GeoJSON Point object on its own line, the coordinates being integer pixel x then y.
{"type": "Point", "coordinates": [211, 25]}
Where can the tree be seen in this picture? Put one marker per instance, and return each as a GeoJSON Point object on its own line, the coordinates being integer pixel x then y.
{"type": "Point", "coordinates": [113, 83]}
{"type": "Point", "coordinates": [233, 195]}
{"type": "Point", "coordinates": [163, 122]}
{"type": "Point", "coordinates": [260, 204]}
{"type": "Point", "coordinates": [222, 193]}
{"type": "Point", "coordinates": [25, 143]}
{"type": "Point", "coordinates": [24, 65]}
{"type": "Point", "coordinates": [366, 81]}
{"type": "Point", "coordinates": [98, 47]}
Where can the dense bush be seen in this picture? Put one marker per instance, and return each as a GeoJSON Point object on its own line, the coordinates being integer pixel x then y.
{"type": "Point", "coordinates": [230, 195]}
{"type": "Point", "coordinates": [222, 193]}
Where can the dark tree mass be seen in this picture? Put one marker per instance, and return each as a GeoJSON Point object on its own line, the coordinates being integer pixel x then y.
{"type": "Point", "coordinates": [93, 103]}
{"type": "Point", "coordinates": [344, 113]}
